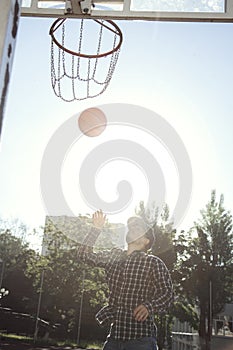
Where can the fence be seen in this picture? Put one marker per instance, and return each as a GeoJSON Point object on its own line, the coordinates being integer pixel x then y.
{"type": "Point", "coordinates": [190, 341]}
{"type": "Point", "coordinates": [185, 341]}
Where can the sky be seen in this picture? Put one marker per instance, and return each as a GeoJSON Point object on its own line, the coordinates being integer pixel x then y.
{"type": "Point", "coordinates": [180, 71]}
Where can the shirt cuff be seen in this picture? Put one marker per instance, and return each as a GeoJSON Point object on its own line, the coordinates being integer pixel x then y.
{"type": "Point", "coordinates": [149, 307]}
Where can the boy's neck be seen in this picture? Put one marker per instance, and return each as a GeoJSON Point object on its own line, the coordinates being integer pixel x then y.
{"type": "Point", "coordinates": [132, 248]}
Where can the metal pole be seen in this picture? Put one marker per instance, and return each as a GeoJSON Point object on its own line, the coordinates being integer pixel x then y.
{"type": "Point", "coordinates": [211, 308]}
{"type": "Point", "coordinates": [80, 311]}
{"type": "Point", "coordinates": [38, 306]}
{"type": "Point", "coordinates": [2, 273]}
{"type": "Point", "coordinates": [165, 341]}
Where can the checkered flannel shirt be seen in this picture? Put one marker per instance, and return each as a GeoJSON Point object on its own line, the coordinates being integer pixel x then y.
{"type": "Point", "coordinates": [132, 279]}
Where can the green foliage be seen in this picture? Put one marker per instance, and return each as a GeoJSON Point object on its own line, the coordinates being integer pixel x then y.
{"type": "Point", "coordinates": [185, 312]}
{"type": "Point", "coordinates": [197, 259]}
{"type": "Point", "coordinates": [63, 281]}
{"type": "Point", "coordinates": [194, 261]}
{"type": "Point", "coordinates": [16, 255]}
{"type": "Point", "coordinates": [61, 287]}
{"type": "Point", "coordinates": [205, 261]}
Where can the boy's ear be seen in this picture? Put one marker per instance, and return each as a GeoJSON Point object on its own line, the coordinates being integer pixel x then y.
{"type": "Point", "coordinates": [146, 240]}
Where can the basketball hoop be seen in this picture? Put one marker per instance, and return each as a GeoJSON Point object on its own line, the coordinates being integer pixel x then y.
{"type": "Point", "coordinates": [77, 73]}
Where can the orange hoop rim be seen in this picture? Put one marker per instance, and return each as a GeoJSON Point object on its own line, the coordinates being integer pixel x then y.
{"type": "Point", "coordinates": [117, 31]}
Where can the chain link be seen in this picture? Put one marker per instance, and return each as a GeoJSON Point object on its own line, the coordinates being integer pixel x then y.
{"type": "Point", "coordinates": [79, 82]}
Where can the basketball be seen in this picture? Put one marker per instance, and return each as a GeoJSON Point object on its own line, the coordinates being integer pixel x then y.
{"type": "Point", "coordinates": [92, 122]}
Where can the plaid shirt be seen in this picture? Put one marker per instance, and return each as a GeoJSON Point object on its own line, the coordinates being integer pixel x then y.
{"type": "Point", "coordinates": [133, 279]}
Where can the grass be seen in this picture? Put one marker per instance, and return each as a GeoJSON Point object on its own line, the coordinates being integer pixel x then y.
{"type": "Point", "coordinates": [83, 344]}
{"type": "Point", "coordinates": [16, 337]}
{"type": "Point", "coordinates": [92, 345]}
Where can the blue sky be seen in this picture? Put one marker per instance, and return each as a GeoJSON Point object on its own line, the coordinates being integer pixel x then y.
{"type": "Point", "coordinates": [182, 71]}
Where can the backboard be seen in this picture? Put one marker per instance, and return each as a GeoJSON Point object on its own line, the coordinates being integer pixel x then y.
{"type": "Point", "coordinates": [187, 10]}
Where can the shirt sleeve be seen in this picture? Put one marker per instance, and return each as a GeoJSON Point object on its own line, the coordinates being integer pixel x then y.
{"type": "Point", "coordinates": [106, 315]}
{"type": "Point", "coordinates": [163, 296]}
{"type": "Point", "coordinates": [86, 253]}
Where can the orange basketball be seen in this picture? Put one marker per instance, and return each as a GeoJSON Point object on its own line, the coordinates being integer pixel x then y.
{"type": "Point", "coordinates": [92, 122]}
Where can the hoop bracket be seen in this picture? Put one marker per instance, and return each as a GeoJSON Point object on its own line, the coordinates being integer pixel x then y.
{"type": "Point", "coordinates": [85, 6]}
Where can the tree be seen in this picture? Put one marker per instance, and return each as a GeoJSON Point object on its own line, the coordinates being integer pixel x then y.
{"type": "Point", "coordinates": [206, 266]}
{"type": "Point", "coordinates": [15, 254]}
{"type": "Point", "coordinates": [63, 274]}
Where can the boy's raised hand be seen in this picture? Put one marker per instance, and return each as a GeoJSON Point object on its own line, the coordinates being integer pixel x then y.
{"type": "Point", "coordinates": [98, 219]}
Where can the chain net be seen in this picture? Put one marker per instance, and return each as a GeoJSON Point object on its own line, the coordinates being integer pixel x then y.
{"type": "Point", "coordinates": [84, 54]}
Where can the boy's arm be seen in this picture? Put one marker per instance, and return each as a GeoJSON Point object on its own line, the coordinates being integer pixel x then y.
{"type": "Point", "coordinates": [85, 251]}
{"type": "Point", "coordinates": [164, 294]}
{"type": "Point", "coordinates": [98, 221]}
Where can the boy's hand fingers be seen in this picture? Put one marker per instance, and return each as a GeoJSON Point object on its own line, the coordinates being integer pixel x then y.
{"type": "Point", "coordinates": [141, 313]}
